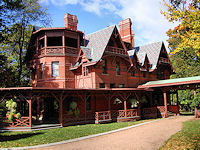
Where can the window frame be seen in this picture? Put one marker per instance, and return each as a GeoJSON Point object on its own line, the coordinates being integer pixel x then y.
{"type": "Point", "coordinates": [53, 70]}
{"type": "Point", "coordinates": [41, 70]}
{"type": "Point", "coordinates": [117, 68]}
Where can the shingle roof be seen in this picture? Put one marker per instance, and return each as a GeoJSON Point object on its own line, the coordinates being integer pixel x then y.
{"type": "Point", "coordinates": [151, 50]}
{"type": "Point", "coordinates": [87, 52]}
{"type": "Point", "coordinates": [97, 42]}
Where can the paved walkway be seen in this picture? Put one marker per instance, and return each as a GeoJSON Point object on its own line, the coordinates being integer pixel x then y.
{"type": "Point", "coordinates": [145, 137]}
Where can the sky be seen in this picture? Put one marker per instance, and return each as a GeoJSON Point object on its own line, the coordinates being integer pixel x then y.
{"type": "Point", "coordinates": [148, 23]}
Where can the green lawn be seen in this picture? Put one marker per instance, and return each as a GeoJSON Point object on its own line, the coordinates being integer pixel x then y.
{"type": "Point", "coordinates": [20, 139]}
{"type": "Point", "coordinates": [187, 139]}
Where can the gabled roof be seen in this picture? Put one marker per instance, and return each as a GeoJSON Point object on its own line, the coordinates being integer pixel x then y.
{"type": "Point", "coordinates": [151, 50]}
{"type": "Point", "coordinates": [96, 42]}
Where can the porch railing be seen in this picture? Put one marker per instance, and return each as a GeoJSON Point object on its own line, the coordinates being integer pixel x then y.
{"type": "Point", "coordinates": [149, 112]}
{"type": "Point", "coordinates": [21, 122]}
{"type": "Point", "coordinates": [173, 109]}
{"type": "Point", "coordinates": [102, 116]}
{"type": "Point", "coordinates": [109, 115]}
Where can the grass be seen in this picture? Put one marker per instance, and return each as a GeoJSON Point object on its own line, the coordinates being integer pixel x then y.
{"type": "Point", "coordinates": [21, 139]}
{"type": "Point", "coordinates": [186, 139]}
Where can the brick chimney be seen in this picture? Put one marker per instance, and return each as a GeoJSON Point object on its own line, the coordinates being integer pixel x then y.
{"type": "Point", "coordinates": [71, 21]}
{"type": "Point", "coordinates": [126, 33]}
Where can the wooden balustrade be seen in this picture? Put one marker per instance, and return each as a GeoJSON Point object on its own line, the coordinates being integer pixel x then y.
{"type": "Point", "coordinates": [58, 50]}
{"type": "Point", "coordinates": [21, 122]}
{"type": "Point", "coordinates": [54, 50]}
{"type": "Point", "coordinates": [114, 114]}
{"type": "Point", "coordinates": [149, 112]}
{"type": "Point", "coordinates": [115, 50]}
{"type": "Point", "coordinates": [173, 109]}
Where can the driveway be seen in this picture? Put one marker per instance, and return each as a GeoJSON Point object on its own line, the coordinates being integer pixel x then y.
{"type": "Point", "coordinates": [145, 137]}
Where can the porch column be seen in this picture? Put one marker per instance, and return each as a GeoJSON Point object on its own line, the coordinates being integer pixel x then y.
{"type": "Point", "coordinates": [30, 110]}
{"type": "Point", "coordinates": [109, 108]}
{"type": "Point", "coordinates": [165, 102]}
{"type": "Point", "coordinates": [195, 110]}
{"type": "Point", "coordinates": [85, 99]}
{"type": "Point", "coordinates": [38, 108]}
{"type": "Point", "coordinates": [125, 107]}
{"type": "Point", "coordinates": [178, 113]}
{"type": "Point", "coordinates": [61, 111]}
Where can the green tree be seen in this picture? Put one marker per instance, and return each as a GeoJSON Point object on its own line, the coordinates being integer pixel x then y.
{"type": "Point", "coordinates": [17, 36]}
{"type": "Point", "coordinates": [186, 35]}
{"type": "Point", "coordinates": [7, 8]}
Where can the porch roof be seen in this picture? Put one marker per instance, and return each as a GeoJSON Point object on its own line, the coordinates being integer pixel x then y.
{"type": "Point", "coordinates": [171, 82]}
{"type": "Point", "coordinates": [71, 89]}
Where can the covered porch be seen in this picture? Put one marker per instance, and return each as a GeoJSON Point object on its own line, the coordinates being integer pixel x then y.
{"type": "Point", "coordinates": [171, 87]}
{"type": "Point", "coordinates": [92, 106]}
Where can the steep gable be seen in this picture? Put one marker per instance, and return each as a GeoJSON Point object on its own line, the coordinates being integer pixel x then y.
{"type": "Point", "coordinates": [152, 51]}
{"type": "Point", "coordinates": [98, 41]}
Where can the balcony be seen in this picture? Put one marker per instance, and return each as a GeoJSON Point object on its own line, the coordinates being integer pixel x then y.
{"type": "Point", "coordinates": [164, 60]}
{"type": "Point", "coordinates": [58, 50]}
{"type": "Point", "coordinates": [115, 50]}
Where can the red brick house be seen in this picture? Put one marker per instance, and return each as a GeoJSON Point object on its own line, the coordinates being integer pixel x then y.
{"type": "Point", "coordinates": [79, 78]}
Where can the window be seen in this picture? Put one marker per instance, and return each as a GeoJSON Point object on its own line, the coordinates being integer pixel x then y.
{"type": "Point", "coordinates": [85, 71]}
{"type": "Point", "coordinates": [104, 66]}
{"type": "Point", "coordinates": [132, 73]}
{"type": "Point", "coordinates": [88, 103]}
{"type": "Point", "coordinates": [101, 85]}
{"type": "Point", "coordinates": [54, 41]}
{"type": "Point", "coordinates": [144, 74]}
{"type": "Point", "coordinates": [121, 85]}
{"type": "Point", "coordinates": [41, 71]}
{"type": "Point", "coordinates": [41, 43]}
{"type": "Point", "coordinates": [112, 85]}
{"type": "Point", "coordinates": [117, 68]}
{"type": "Point", "coordinates": [55, 69]}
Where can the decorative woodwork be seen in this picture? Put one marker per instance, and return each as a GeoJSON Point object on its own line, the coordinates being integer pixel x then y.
{"type": "Point", "coordinates": [115, 50]}
{"type": "Point", "coordinates": [54, 50]}
{"type": "Point", "coordinates": [21, 122]}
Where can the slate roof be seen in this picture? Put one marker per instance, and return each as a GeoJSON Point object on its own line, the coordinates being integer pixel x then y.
{"type": "Point", "coordinates": [96, 42]}
{"type": "Point", "coordinates": [151, 50]}
{"type": "Point", "coordinates": [87, 52]}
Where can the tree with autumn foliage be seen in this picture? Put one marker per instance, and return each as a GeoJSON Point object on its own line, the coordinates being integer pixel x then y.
{"type": "Point", "coordinates": [184, 39]}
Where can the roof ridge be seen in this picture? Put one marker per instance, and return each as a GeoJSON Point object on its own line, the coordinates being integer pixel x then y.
{"type": "Point", "coordinates": [101, 30]}
{"type": "Point", "coordinates": [149, 44]}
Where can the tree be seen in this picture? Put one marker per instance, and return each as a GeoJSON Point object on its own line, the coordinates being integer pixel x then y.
{"type": "Point", "coordinates": [186, 34]}
{"type": "Point", "coordinates": [184, 39]}
{"type": "Point", "coordinates": [17, 36]}
{"type": "Point", "coordinates": [7, 7]}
